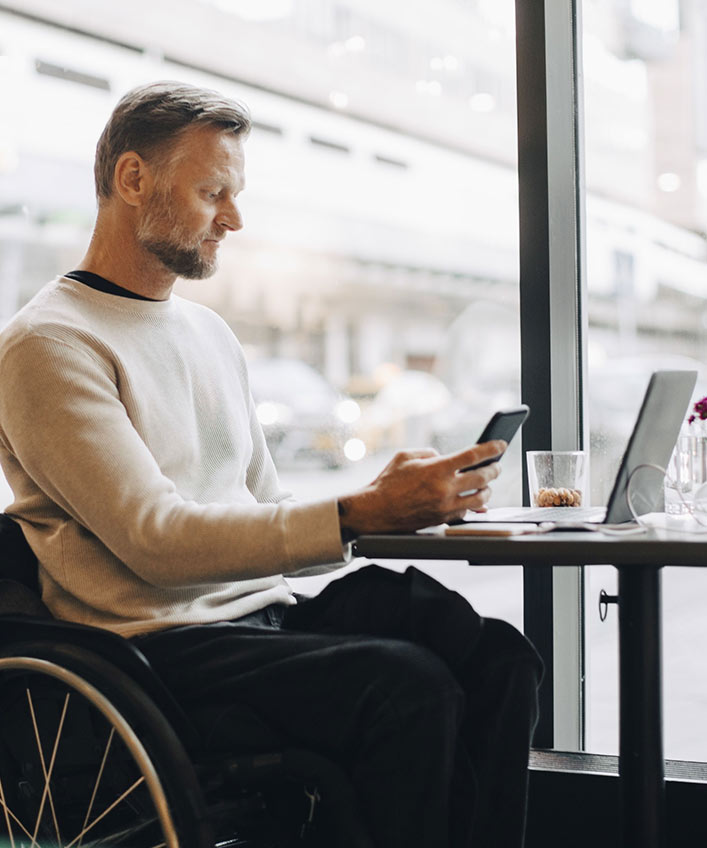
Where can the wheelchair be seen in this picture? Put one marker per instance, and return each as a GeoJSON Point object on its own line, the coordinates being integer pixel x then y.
{"type": "Point", "coordinates": [94, 750]}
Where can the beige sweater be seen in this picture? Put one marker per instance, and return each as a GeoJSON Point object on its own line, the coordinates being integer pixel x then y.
{"type": "Point", "coordinates": [140, 473]}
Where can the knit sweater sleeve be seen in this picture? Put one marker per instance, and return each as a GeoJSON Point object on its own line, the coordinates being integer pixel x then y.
{"type": "Point", "coordinates": [64, 424]}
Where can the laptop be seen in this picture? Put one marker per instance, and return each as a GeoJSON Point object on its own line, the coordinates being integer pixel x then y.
{"type": "Point", "coordinates": [651, 443]}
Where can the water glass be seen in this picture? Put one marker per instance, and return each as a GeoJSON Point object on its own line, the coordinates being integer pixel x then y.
{"type": "Point", "coordinates": [558, 478]}
{"type": "Point", "coordinates": [680, 476]}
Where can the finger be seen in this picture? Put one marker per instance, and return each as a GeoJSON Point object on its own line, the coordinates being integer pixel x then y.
{"type": "Point", "coordinates": [478, 478]}
{"type": "Point", "coordinates": [462, 514]}
{"type": "Point", "coordinates": [476, 501]}
{"type": "Point", "coordinates": [471, 456]}
{"type": "Point", "coordinates": [402, 457]}
{"type": "Point", "coordinates": [418, 453]}
{"type": "Point", "coordinates": [456, 517]}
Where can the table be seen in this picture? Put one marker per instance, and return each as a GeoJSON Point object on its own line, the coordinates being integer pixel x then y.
{"type": "Point", "coordinates": [638, 559]}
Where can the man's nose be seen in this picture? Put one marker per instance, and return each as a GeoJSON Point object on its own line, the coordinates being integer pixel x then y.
{"type": "Point", "coordinates": [230, 217]}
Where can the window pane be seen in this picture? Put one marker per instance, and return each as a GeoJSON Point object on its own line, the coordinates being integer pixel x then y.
{"type": "Point", "coordinates": [375, 285]}
{"type": "Point", "coordinates": [644, 77]}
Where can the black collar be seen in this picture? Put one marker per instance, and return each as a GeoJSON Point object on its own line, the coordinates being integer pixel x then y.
{"type": "Point", "coordinates": [99, 283]}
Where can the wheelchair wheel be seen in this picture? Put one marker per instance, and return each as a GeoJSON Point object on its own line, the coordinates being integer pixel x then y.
{"type": "Point", "coordinates": [87, 759]}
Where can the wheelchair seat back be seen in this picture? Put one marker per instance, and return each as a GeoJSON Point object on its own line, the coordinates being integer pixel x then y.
{"type": "Point", "coordinates": [19, 584]}
{"type": "Point", "coordinates": [17, 561]}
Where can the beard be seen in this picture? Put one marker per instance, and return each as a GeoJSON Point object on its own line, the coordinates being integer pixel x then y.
{"type": "Point", "coordinates": [167, 239]}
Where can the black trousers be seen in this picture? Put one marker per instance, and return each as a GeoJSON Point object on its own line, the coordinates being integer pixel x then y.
{"type": "Point", "coordinates": [428, 707]}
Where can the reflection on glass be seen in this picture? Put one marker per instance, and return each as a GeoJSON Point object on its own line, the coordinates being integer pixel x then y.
{"type": "Point", "coordinates": [646, 261]}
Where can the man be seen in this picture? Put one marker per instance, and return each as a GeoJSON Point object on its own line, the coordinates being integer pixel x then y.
{"type": "Point", "coordinates": [143, 484]}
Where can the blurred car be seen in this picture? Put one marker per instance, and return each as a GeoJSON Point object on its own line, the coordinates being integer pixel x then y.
{"type": "Point", "coordinates": [405, 412]}
{"type": "Point", "coordinates": [304, 418]}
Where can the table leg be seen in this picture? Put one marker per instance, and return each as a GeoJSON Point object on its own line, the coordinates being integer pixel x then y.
{"type": "Point", "coordinates": [641, 762]}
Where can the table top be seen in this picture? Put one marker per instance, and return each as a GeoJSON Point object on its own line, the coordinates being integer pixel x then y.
{"type": "Point", "coordinates": [671, 540]}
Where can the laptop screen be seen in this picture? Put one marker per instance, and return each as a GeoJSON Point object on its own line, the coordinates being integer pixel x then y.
{"type": "Point", "coordinates": [650, 446]}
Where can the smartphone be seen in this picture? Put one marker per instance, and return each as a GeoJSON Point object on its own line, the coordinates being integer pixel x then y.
{"type": "Point", "coordinates": [503, 424]}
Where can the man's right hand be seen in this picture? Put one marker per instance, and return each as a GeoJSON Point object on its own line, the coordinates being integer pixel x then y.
{"type": "Point", "coordinates": [420, 488]}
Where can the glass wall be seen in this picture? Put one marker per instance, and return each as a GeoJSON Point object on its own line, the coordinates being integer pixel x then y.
{"type": "Point", "coordinates": [646, 213]}
{"type": "Point", "coordinates": [375, 285]}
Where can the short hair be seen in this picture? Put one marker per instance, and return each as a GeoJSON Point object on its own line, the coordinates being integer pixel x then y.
{"type": "Point", "coordinates": [150, 119]}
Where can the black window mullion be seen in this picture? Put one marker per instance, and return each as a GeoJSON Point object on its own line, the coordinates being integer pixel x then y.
{"type": "Point", "coordinates": [552, 324]}
{"type": "Point", "coordinates": [535, 326]}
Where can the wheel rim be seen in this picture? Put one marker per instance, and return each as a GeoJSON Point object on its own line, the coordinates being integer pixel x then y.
{"type": "Point", "coordinates": [107, 794]}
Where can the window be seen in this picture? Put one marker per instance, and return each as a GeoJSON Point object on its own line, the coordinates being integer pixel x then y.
{"type": "Point", "coordinates": [646, 262]}
{"type": "Point", "coordinates": [375, 286]}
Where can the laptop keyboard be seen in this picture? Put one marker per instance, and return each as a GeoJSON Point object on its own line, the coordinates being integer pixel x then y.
{"type": "Point", "coordinates": [558, 514]}
{"type": "Point", "coordinates": [533, 514]}
{"type": "Point", "coordinates": [563, 513]}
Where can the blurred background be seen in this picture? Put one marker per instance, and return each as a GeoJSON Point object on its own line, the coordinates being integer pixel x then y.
{"type": "Point", "coordinates": [375, 285]}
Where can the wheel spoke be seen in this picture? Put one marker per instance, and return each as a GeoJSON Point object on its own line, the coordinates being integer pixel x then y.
{"type": "Point", "coordinates": [6, 810]}
{"type": "Point", "coordinates": [47, 793]}
{"type": "Point", "coordinates": [97, 783]}
{"type": "Point", "coordinates": [85, 795]}
{"type": "Point", "coordinates": [9, 812]}
{"type": "Point", "coordinates": [105, 812]}
{"type": "Point", "coordinates": [126, 837]}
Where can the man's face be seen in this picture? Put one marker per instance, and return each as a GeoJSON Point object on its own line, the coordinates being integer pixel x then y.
{"type": "Point", "coordinates": [193, 202]}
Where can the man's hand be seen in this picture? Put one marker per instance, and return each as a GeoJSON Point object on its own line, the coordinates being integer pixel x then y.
{"type": "Point", "coordinates": [421, 488]}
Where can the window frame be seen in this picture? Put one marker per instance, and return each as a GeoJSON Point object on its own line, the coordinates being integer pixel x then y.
{"type": "Point", "coordinates": [553, 319]}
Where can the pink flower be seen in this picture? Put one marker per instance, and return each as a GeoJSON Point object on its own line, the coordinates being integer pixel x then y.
{"type": "Point", "coordinates": [699, 411]}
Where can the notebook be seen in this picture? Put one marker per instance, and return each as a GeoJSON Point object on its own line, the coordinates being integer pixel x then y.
{"type": "Point", "coordinates": [651, 443]}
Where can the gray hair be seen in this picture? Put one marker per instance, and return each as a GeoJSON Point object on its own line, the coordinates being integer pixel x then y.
{"type": "Point", "coordinates": [150, 119]}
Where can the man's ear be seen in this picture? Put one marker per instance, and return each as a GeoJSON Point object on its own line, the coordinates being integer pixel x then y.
{"type": "Point", "coordinates": [132, 178]}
